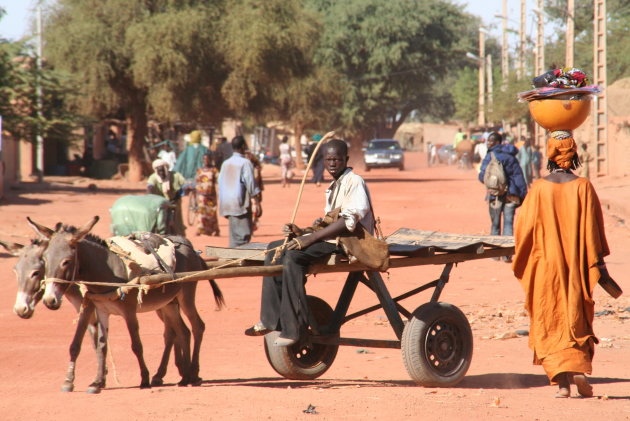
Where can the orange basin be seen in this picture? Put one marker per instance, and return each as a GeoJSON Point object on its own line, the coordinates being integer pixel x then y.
{"type": "Point", "coordinates": [560, 114]}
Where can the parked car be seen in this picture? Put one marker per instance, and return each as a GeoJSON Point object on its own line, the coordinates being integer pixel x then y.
{"type": "Point", "coordinates": [383, 153]}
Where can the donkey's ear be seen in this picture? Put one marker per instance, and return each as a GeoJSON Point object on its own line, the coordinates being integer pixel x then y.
{"type": "Point", "coordinates": [84, 230]}
{"type": "Point", "coordinates": [12, 248]}
{"type": "Point", "coordinates": [43, 232]}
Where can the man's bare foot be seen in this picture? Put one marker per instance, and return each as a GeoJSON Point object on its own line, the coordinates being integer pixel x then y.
{"type": "Point", "coordinates": [564, 387]}
{"type": "Point", "coordinates": [583, 386]}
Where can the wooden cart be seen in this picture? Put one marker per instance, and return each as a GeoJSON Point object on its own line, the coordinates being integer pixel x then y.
{"type": "Point", "coordinates": [435, 338]}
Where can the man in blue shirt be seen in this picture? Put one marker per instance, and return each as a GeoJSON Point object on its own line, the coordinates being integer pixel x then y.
{"type": "Point", "coordinates": [239, 196]}
{"type": "Point", "coordinates": [517, 188]}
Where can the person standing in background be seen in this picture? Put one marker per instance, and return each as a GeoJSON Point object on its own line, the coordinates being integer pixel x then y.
{"type": "Point", "coordinates": [258, 179]}
{"type": "Point", "coordinates": [168, 154]}
{"type": "Point", "coordinates": [205, 185]}
{"type": "Point", "coordinates": [318, 161]}
{"type": "Point", "coordinates": [223, 151]}
{"type": "Point", "coordinates": [192, 156]}
{"type": "Point", "coordinates": [536, 162]}
{"type": "Point", "coordinates": [504, 206]}
{"type": "Point", "coordinates": [239, 196]}
{"type": "Point", "coordinates": [286, 161]}
{"type": "Point", "coordinates": [585, 158]}
{"type": "Point", "coordinates": [524, 157]}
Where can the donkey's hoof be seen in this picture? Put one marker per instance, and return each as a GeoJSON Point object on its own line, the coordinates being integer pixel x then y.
{"type": "Point", "coordinates": [67, 387]}
{"type": "Point", "coordinates": [196, 381]}
{"type": "Point", "coordinates": [183, 382]}
{"type": "Point", "coordinates": [145, 385]}
{"type": "Point", "coordinates": [93, 390]}
{"type": "Point", "coordinates": [157, 381]}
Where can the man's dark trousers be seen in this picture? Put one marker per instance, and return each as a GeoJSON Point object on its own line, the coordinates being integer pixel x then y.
{"type": "Point", "coordinates": [283, 302]}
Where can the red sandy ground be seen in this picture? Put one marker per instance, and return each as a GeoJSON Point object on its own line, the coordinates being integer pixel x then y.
{"type": "Point", "coordinates": [238, 382]}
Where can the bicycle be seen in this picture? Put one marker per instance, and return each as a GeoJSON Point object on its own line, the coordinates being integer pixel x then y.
{"type": "Point", "coordinates": [192, 207]}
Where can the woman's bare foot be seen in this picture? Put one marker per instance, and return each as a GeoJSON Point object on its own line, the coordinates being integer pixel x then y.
{"type": "Point", "coordinates": [564, 387]}
{"type": "Point", "coordinates": [583, 386]}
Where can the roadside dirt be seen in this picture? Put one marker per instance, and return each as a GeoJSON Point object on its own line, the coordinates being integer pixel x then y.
{"type": "Point", "coordinates": [362, 383]}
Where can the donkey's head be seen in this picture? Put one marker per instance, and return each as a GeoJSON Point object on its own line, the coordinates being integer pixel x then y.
{"type": "Point", "coordinates": [60, 258]}
{"type": "Point", "coordinates": [29, 271]}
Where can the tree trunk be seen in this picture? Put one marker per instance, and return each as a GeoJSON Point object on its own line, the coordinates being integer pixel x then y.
{"type": "Point", "coordinates": [137, 132]}
{"type": "Point", "coordinates": [356, 147]}
{"type": "Point", "coordinates": [298, 131]}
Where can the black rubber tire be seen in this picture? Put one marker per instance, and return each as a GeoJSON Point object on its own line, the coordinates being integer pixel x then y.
{"type": "Point", "coordinates": [299, 362]}
{"type": "Point", "coordinates": [437, 345]}
{"type": "Point", "coordinates": [401, 167]}
{"type": "Point", "coordinates": [192, 209]}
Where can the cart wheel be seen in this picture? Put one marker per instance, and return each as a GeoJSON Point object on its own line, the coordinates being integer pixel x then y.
{"type": "Point", "coordinates": [299, 362]}
{"type": "Point", "coordinates": [437, 345]}
{"type": "Point", "coordinates": [192, 208]}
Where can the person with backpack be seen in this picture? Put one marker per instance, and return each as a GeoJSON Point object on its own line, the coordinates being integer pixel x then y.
{"type": "Point", "coordinates": [503, 177]}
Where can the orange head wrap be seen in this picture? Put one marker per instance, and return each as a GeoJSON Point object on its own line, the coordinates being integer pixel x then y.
{"type": "Point", "coordinates": [561, 148]}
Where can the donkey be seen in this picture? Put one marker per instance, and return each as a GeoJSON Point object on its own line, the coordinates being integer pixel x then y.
{"type": "Point", "coordinates": [29, 271]}
{"type": "Point", "coordinates": [70, 256]}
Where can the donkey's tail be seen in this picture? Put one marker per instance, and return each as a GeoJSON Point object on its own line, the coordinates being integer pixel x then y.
{"type": "Point", "coordinates": [218, 295]}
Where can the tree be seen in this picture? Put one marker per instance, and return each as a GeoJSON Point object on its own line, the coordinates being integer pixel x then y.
{"type": "Point", "coordinates": [618, 20]}
{"type": "Point", "coordinates": [266, 46]}
{"type": "Point", "coordinates": [140, 57]}
{"type": "Point", "coordinates": [506, 106]}
{"type": "Point", "coordinates": [391, 56]}
{"type": "Point", "coordinates": [19, 105]}
{"type": "Point", "coordinates": [464, 92]}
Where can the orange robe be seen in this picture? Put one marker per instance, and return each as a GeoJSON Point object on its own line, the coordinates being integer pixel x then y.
{"type": "Point", "coordinates": [559, 237]}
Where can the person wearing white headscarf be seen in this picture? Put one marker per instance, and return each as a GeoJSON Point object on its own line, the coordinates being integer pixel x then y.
{"type": "Point", "coordinates": [170, 185]}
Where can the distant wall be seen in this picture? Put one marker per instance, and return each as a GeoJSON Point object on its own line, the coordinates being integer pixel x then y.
{"type": "Point", "coordinates": [415, 136]}
{"type": "Point", "coordinates": [618, 130]}
{"type": "Point", "coordinates": [618, 144]}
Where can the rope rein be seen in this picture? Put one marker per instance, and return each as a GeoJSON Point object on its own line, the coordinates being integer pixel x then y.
{"type": "Point", "coordinates": [145, 288]}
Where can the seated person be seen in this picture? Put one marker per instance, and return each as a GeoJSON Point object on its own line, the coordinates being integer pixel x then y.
{"type": "Point", "coordinates": [284, 306]}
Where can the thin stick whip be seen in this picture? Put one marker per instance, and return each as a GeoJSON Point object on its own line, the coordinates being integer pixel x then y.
{"type": "Point", "coordinates": [301, 189]}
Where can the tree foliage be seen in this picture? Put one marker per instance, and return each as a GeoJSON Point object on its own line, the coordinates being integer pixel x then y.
{"type": "Point", "coordinates": [359, 65]}
{"type": "Point", "coordinates": [505, 105]}
{"type": "Point", "coordinates": [465, 95]}
{"type": "Point", "coordinates": [22, 115]}
{"type": "Point", "coordinates": [618, 24]}
{"type": "Point", "coordinates": [390, 56]}
{"type": "Point", "coordinates": [138, 56]}
{"type": "Point", "coordinates": [267, 46]}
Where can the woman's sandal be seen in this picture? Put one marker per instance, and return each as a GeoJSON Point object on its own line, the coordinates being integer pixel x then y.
{"type": "Point", "coordinates": [564, 386]}
{"type": "Point", "coordinates": [583, 386]}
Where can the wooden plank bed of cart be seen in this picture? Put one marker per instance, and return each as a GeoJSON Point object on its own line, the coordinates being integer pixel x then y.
{"type": "Point", "coordinates": [435, 338]}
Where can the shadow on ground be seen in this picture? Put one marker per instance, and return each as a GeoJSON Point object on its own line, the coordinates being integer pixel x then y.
{"type": "Point", "coordinates": [520, 381]}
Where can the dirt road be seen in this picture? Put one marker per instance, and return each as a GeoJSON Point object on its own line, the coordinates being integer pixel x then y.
{"type": "Point", "coordinates": [239, 384]}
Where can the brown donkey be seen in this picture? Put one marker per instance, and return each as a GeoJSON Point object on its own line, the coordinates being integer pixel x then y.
{"type": "Point", "coordinates": [70, 257]}
{"type": "Point", "coordinates": [29, 271]}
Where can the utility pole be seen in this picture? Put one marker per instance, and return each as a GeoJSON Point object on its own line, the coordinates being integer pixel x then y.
{"type": "Point", "coordinates": [520, 72]}
{"type": "Point", "coordinates": [539, 61]}
{"type": "Point", "coordinates": [489, 81]}
{"type": "Point", "coordinates": [505, 65]}
{"type": "Point", "coordinates": [39, 142]}
{"type": "Point", "coordinates": [568, 60]}
{"type": "Point", "coordinates": [600, 109]}
{"type": "Point", "coordinates": [481, 118]}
